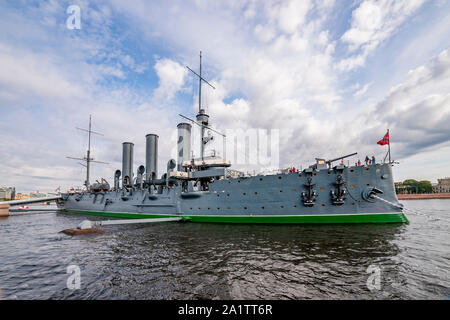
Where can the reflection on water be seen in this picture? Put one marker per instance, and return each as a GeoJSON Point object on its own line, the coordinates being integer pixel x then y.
{"type": "Point", "coordinates": [225, 261]}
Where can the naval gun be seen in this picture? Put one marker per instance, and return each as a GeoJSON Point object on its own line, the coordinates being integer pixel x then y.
{"type": "Point", "coordinates": [322, 163]}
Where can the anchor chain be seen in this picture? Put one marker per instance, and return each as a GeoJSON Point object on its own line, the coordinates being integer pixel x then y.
{"type": "Point", "coordinates": [348, 192]}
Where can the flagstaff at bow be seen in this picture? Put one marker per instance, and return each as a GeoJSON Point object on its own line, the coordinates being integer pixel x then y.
{"type": "Point", "coordinates": [385, 141]}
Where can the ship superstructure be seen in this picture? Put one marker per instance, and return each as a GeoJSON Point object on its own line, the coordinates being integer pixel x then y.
{"type": "Point", "coordinates": [206, 189]}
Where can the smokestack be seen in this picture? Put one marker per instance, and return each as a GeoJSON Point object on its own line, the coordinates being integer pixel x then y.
{"type": "Point", "coordinates": [127, 163]}
{"type": "Point", "coordinates": [184, 144]}
{"type": "Point", "coordinates": [151, 157]}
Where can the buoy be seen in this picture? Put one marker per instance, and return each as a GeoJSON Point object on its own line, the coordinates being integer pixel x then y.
{"type": "Point", "coordinates": [4, 210]}
{"type": "Point", "coordinates": [76, 232]}
{"type": "Point", "coordinates": [87, 226]}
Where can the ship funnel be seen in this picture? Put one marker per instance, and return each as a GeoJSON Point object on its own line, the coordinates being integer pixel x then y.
{"type": "Point", "coordinates": [184, 144]}
{"type": "Point", "coordinates": [116, 179]}
{"type": "Point", "coordinates": [127, 164]}
{"type": "Point", "coordinates": [151, 157]}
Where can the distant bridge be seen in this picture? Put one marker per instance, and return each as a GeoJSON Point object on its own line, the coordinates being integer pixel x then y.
{"type": "Point", "coordinates": [4, 205]}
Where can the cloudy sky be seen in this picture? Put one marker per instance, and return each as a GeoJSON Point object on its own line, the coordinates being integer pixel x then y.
{"type": "Point", "coordinates": [330, 76]}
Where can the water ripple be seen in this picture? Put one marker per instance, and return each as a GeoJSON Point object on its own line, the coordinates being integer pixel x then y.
{"type": "Point", "coordinates": [225, 261]}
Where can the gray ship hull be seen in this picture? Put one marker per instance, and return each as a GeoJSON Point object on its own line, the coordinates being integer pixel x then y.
{"type": "Point", "coordinates": [338, 195]}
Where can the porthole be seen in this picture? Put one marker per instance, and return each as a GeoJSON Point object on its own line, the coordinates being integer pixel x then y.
{"type": "Point", "coordinates": [367, 169]}
{"type": "Point", "coordinates": [353, 203]}
{"type": "Point", "coordinates": [281, 191]}
{"type": "Point", "coordinates": [239, 181]}
{"type": "Point", "coordinates": [295, 206]}
{"type": "Point", "coordinates": [260, 179]}
{"type": "Point", "coordinates": [351, 170]}
{"type": "Point", "coordinates": [262, 208]}
{"type": "Point", "coordinates": [244, 193]}
{"type": "Point", "coordinates": [245, 208]}
{"type": "Point", "coordinates": [218, 208]}
{"type": "Point", "coordinates": [314, 174]}
{"type": "Point", "coordinates": [256, 192]}
{"type": "Point", "coordinates": [282, 207]}
{"type": "Point", "coordinates": [367, 184]}
{"type": "Point", "coordinates": [279, 177]}
{"type": "Point", "coordinates": [228, 194]}
{"type": "Point", "coordinates": [300, 175]}
{"type": "Point", "coordinates": [323, 204]}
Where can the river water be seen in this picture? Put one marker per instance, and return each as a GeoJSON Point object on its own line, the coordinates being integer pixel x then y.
{"type": "Point", "coordinates": [223, 261]}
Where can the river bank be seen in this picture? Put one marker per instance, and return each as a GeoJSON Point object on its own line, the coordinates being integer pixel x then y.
{"type": "Point", "coordinates": [423, 196]}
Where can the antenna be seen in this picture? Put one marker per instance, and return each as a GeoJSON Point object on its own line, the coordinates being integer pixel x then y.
{"type": "Point", "coordinates": [88, 158]}
{"type": "Point", "coordinates": [202, 117]}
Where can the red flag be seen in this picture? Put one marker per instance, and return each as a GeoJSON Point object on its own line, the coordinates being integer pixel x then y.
{"type": "Point", "coordinates": [385, 139]}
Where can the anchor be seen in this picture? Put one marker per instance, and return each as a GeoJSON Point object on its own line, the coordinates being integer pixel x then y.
{"type": "Point", "coordinates": [338, 195]}
{"type": "Point", "coordinates": [309, 197]}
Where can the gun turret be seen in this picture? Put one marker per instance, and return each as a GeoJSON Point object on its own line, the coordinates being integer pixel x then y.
{"type": "Point", "coordinates": [343, 157]}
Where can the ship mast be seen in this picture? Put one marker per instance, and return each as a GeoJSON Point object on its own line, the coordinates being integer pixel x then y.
{"type": "Point", "coordinates": [88, 158]}
{"type": "Point", "coordinates": [202, 117]}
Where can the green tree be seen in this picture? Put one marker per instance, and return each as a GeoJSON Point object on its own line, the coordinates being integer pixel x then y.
{"type": "Point", "coordinates": [425, 186]}
{"type": "Point", "coordinates": [414, 186]}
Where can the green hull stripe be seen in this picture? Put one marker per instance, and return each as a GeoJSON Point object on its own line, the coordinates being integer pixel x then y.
{"type": "Point", "coordinates": [349, 218]}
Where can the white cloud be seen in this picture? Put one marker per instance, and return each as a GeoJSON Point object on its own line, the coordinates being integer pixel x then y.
{"type": "Point", "coordinates": [373, 22]}
{"type": "Point", "coordinates": [171, 76]}
{"type": "Point", "coordinates": [362, 91]}
{"type": "Point", "coordinates": [26, 74]}
{"type": "Point", "coordinates": [271, 62]}
{"type": "Point", "coordinates": [419, 108]}
{"type": "Point", "coordinates": [290, 15]}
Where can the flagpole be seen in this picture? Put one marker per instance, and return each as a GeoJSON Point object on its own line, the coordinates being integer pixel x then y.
{"type": "Point", "coordinates": [389, 146]}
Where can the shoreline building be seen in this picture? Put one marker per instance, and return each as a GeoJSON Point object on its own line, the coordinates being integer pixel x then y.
{"type": "Point", "coordinates": [7, 193]}
{"type": "Point", "coordinates": [443, 186]}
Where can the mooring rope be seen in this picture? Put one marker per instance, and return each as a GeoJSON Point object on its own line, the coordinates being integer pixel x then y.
{"type": "Point", "coordinates": [407, 210]}
{"type": "Point", "coordinates": [389, 202]}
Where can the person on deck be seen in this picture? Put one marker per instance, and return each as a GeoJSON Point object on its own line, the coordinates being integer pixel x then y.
{"type": "Point", "coordinates": [367, 160]}
{"type": "Point", "coordinates": [373, 159]}
{"type": "Point", "coordinates": [359, 162]}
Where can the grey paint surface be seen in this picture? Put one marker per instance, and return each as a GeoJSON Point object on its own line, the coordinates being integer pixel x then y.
{"type": "Point", "coordinates": [269, 195]}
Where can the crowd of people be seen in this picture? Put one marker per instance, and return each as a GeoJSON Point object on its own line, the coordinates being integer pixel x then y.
{"type": "Point", "coordinates": [368, 161]}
